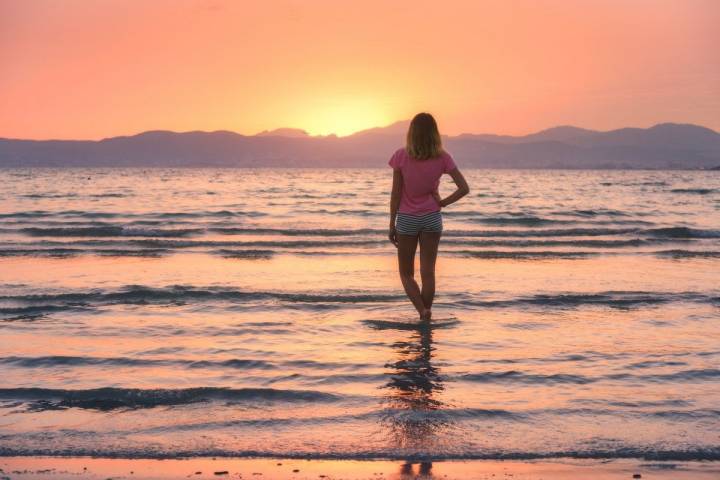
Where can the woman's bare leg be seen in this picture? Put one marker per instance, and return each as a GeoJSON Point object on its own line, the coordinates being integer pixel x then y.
{"type": "Point", "coordinates": [407, 245]}
{"type": "Point", "coordinates": [429, 242]}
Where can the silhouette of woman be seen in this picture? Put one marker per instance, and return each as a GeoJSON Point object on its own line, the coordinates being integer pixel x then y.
{"type": "Point", "coordinates": [415, 205]}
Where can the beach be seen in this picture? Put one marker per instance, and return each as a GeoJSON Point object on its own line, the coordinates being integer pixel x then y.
{"type": "Point", "coordinates": [200, 468]}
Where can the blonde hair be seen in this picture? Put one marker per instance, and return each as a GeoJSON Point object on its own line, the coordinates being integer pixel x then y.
{"type": "Point", "coordinates": [423, 137]}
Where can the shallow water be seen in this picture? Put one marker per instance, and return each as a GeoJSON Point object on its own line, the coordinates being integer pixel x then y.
{"type": "Point", "coordinates": [258, 312]}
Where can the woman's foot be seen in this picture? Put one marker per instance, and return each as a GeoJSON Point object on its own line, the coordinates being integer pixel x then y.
{"type": "Point", "coordinates": [426, 315]}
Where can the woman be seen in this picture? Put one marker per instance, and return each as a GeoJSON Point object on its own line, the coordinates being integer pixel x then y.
{"type": "Point", "coordinates": [415, 206]}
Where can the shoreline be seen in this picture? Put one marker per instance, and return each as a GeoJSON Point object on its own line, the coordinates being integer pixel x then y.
{"type": "Point", "coordinates": [32, 467]}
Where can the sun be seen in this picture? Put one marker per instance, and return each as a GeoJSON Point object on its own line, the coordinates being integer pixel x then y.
{"type": "Point", "coordinates": [344, 116]}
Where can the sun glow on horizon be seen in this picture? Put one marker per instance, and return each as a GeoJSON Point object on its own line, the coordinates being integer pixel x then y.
{"type": "Point", "coordinates": [341, 115]}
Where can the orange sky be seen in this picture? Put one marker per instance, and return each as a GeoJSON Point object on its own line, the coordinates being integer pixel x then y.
{"type": "Point", "coordinates": [92, 69]}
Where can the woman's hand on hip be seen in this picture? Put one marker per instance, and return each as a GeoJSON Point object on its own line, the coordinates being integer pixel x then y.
{"type": "Point", "coordinates": [392, 235]}
{"type": "Point", "coordinates": [437, 198]}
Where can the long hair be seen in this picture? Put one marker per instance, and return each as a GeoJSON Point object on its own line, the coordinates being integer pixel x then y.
{"type": "Point", "coordinates": [423, 137]}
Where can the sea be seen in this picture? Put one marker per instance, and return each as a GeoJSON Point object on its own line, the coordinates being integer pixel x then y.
{"type": "Point", "coordinates": [170, 313]}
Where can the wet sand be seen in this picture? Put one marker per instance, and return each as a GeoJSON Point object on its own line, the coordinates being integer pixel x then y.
{"type": "Point", "coordinates": [200, 468]}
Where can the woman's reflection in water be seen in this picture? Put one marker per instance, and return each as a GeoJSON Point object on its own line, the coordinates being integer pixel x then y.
{"type": "Point", "coordinates": [414, 414]}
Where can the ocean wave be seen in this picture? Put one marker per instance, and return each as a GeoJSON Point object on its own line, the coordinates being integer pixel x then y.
{"type": "Point", "coordinates": [685, 375]}
{"type": "Point", "coordinates": [322, 232]}
{"type": "Point", "coordinates": [647, 453]}
{"type": "Point", "coordinates": [232, 363]}
{"type": "Point", "coordinates": [608, 299]}
{"type": "Point", "coordinates": [34, 312]}
{"type": "Point", "coordinates": [35, 214]}
{"type": "Point", "coordinates": [345, 211]}
{"type": "Point", "coordinates": [522, 255]}
{"type": "Point", "coordinates": [110, 195]}
{"type": "Point", "coordinates": [71, 252]}
{"type": "Point", "coordinates": [584, 213]}
{"type": "Point", "coordinates": [698, 191]}
{"type": "Point", "coordinates": [109, 231]}
{"type": "Point", "coordinates": [521, 249]}
{"type": "Point", "coordinates": [49, 195]}
{"type": "Point", "coordinates": [39, 214]}
{"type": "Point", "coordinates": [39, 303]}
{"type": "Point", "coordinates": [552, 232]}
{"type": "Point", "coordinates": [671, 232]}
{"type": "Point", "coordinates": [659, 183]}
{"type": "Point", "coordinates": [111, 398]}
{"type": "Point", "coordinates": [211, 213]}
{"type": "Point", "coordinates": [69, 360]}
{"type": "Point", "coordinates": [656, 363]}
{"type": "Point", "coordinates": [682, 232]}
{"type": "Point", "coordinates": [590, 231]}
{"type": "Point", "coordinates": [523, 220]}
{"type": "Point", "coordinates": [148, 228]}
{"type": "Point", "coordinates": [74, 195]}
{"type": "Point", "coordinates": [298, 244]}
{"type": "Point", "coordinates": [305, 243]}
{"type": "Point", "coordinates": [593, 243]}
{"type": "Point", "coordinates": [514, 376]}
{"type": "Point", "coordinates": [411, 325]}
{"type": "Point", "coordinates": [139, 294]}
{"type": "Point", "coordinates": [251, 254]}
{"type": "Point", "coordinates": [27, 214]}
{"type": "Point", "coordinates": [688, 253]}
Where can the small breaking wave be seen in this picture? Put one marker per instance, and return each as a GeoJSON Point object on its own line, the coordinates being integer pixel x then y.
{"type": "Point", "coordinates": [688, 253]}
{"type": "Point", "coordinates": [514, 376]}
{"type": "Point", "coordinates": [548, 232]}
{"type": "Point", "coordinates": [40, 304]}
{"type": "Point", "coordinates": [411, 325]}
{"type": "Point", "coordinates": [585, 213]}
{"type": "Point", "coordinates": [607, 299]}
{"type": "Point", "coordinates": [134, 398]}
{"type": "Point", "coordinates": [139, 294]}
{"type": "Point", "coordinates": [109, 231]}
{"type": "Point", "coordinates": [524, 243]}
{"type": "Point", "coordinates": [69, 360]}
{"type": "Point", "coordinates": [523, 255]}
{"type": "Point", "coordinates": [71, 252]}
{"type": "Point", "coordinates": [51, 361]}
{"type": "Point", "coordinates": [321, 232]}
{"type": "Point", "coordinates": [247, 254]}
{"type": "Point", "coordinates": [523, 220]}
{"type": "Point", "coordinates": [34, 312]}
{"type": "Point", "coordinates": [682, 232]}
{"type": "Point", "coordinates": [697, 191]}
{"type": "Point", "coordinates": [646, 453]}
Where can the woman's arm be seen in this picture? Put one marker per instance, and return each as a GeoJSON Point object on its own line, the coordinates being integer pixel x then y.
{"type": "Point", "coordinates": [395, 203]}
{"type": "Point", "coordinates": [462, 189]}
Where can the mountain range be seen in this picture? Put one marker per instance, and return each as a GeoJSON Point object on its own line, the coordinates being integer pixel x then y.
{"type": "Point", "coordinates": [664, 146]}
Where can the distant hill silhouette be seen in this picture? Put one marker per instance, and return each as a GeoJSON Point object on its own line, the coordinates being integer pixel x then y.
{"type": "Point", "coordinates": [664, 146]}
{"type": "Point", "coordinates": [284, 132]}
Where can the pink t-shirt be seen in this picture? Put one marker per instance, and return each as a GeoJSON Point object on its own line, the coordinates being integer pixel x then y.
{"type": "Point", "coordinates": [420, 179]}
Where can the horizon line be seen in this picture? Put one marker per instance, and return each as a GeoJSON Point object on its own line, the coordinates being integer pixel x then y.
{"type": "Point", "coordinates": [334, 135]}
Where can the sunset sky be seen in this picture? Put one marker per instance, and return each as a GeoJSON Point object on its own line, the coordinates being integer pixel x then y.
{"type": "Point", "coordinates": [93, 69]}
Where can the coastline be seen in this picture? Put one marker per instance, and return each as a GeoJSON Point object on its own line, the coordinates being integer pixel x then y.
{"type": "Point", "coordinates": [32, 467]}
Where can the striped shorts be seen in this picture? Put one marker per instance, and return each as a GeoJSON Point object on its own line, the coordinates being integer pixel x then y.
{"type": "Point", "coordinates": [407, 224]}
